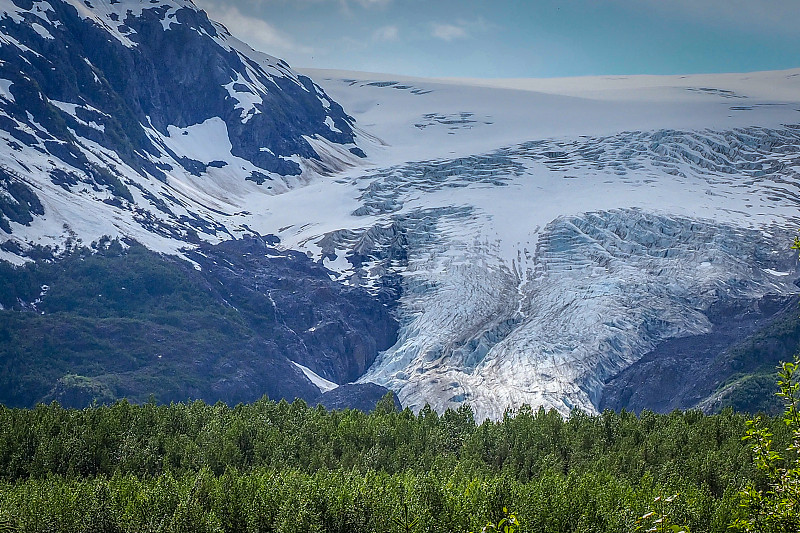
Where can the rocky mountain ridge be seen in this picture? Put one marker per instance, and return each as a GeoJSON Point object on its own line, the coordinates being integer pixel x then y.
{"type": "Point", "coordinates": [143, 112]}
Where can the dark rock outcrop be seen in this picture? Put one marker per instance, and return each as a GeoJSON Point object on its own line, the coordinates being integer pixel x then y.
{"type": "Point", "coordinates": [361, 396]}
{"type": "Point", "coordinates": [685, 373]}
{"type": "Point", "coordinates": [335, 330]}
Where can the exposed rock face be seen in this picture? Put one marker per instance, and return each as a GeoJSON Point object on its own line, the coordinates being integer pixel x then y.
{"type": "Point", "coordinates": [361, 396]}
{"type": "Point", "coordinates": [685, 373]}
{"type": "Point", "coordinates": [335, 330]}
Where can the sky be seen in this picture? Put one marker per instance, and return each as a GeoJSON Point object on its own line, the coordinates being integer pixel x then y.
{"type": "Point", "coordinates": [520, 38]}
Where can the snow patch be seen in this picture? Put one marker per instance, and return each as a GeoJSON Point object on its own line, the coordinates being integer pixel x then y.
{"type": "Point", "coordinates": [207, 141]}
{"type": "Point", "coordinates": [5, 92]}
{"type": "Point", "coordinates": [70, 109]}
{"type": "Point", "coordinates": [322, 384]}
{"type": "Point", "coordinates": [247, 99]}
{"type": "Point", "coordinates": [329, 122]}
{"type": "Point", "coordinates": [41, 30]}
{"type": "Point", "coordinates": [340, 265]}
{"type": "Point", "coordinates": [7, 39]}
{"type": "Point", "coordinates": [66, 107]}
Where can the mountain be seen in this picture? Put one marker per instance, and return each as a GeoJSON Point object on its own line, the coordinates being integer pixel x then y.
{"type": "Point", "coordinates": [97, 325]}
{"type": "Point", "coordinates": [151, 117]}
{"type": "Point", "coordinates": [586, 243]}
{"type": "Point", "coordinates": [143, 120]}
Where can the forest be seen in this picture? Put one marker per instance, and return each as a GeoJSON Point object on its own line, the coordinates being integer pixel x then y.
{"type": "Point", "coordinates": [289, 467]}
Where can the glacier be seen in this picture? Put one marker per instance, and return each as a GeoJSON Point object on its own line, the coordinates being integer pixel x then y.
{"type": "Point", "coordinates": [535, 272]}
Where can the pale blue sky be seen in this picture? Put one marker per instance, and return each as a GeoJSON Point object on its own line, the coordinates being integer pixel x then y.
{"type": "Point", "coordinates": [516, 38]}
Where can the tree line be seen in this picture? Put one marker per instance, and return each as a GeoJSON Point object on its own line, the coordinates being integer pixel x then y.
{"type": "Point", "coordinates": [279, 466]}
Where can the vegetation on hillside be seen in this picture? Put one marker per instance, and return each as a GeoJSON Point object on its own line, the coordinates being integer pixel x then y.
{"type": "Point", "coordinates": [97, 325]}
{"type": "Point", "coordinates": [276, 466]}
{"type": "Point", "coordinates": [104, 317]}
{"type": "Point", "coordinates": [776, 507]}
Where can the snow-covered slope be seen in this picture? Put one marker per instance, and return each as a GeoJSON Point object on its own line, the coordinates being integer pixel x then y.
{"type": "Point", "coordinates": [533, 237]}
{"type": "Point", "coordinates": [145, 119]}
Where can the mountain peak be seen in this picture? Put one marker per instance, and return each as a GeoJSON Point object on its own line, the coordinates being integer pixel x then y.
{"type": "Point", "coordinates": [141, 108]}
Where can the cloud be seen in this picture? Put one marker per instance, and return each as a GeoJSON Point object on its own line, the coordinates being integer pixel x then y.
{"type": "Point", "coordinates": [254, 31]}
{"type": "Point", "coordinates": [386, 34]}
{"type": "Point", "coordinates": [448, 32]}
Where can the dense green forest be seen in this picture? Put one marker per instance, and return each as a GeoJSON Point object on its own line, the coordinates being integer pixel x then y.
{"type": "Point", "coordinates": [278, 466]}
{"type": "Point", "coordinates": [90, 327]}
